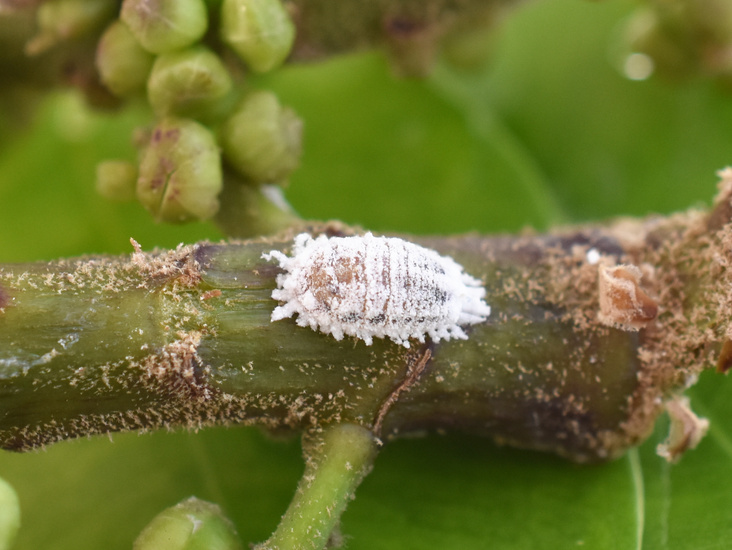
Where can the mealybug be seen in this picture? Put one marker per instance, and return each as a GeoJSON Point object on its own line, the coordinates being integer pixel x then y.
{"type": "Point", "coordinates": [376, 287]}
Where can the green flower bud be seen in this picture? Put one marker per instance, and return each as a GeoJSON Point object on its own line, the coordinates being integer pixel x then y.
{"type": "Point", "coordinates": [261, 32]}
{"type": "Point", "coordinates": [262, 139]}
{"type": "Point", "coordinates": [60, 20]}
{"type": "Point", "coordinates": [165, 25]}
{"type": "Point", "coordinates": [180, 173]}
{"type": "Point", "coordinates": [9, 515]}
{"type": "Point", "coordinates": [188, 83]}
{"type": "Point", "coordinates": [116, 180]}
{"type": "Point", "coordinates": [122, 63]}
{"type": "Point", "coordinates": [191, 525]}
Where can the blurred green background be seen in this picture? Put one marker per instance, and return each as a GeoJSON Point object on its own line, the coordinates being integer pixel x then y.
{"type": "Point", "coordinates": [549, 132]}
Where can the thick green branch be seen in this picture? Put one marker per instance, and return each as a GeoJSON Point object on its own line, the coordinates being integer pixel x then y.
{"type": "Point", "coordinates": [185, 338]}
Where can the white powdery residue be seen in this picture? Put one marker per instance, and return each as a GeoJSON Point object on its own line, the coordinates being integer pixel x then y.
{"type": "Point", "coordinates": [375, 287]}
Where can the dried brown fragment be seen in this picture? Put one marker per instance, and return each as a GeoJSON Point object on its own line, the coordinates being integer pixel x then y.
{"type": "Point", "coordinates": [687, 429]}
{"type": "Point", "coordinates": [724, 362]}
{"type": "Point", "coordinates": [623, 303]}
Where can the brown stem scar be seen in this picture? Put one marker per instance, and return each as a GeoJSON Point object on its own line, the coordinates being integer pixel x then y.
{"type": "Point", "coordinates": [623, 303]}
{"type": "Point", "coordinates": [414, 371]}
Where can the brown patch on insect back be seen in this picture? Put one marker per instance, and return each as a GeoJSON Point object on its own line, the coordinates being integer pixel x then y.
{"type": "Point", "coordinates": [347, 270]}
{"type": "Point", "coordinates": [623, 303]}
{"type": "Point", "coordinates": [326, 279]}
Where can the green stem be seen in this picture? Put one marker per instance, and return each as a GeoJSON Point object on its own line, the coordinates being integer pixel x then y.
{"type": "Point", "coordinates": [338, 458]}
{"type": "Point", "coordinates": [185, 338]}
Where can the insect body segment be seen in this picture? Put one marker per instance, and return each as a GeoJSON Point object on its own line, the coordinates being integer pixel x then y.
{"type": "Point", "coordinates": [379, 287]}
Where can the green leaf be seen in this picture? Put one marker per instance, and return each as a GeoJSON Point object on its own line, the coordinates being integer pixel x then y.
{"type": "Point", "coordinates": [550, 131]}
{"type": "Point", "coordinates": [9, 515]}
{"type": "Point", "coordinates": [687, 505]}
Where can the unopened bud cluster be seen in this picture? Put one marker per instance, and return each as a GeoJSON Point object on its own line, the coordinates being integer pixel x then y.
{"type": "Point", "coordinates": [173, 53]}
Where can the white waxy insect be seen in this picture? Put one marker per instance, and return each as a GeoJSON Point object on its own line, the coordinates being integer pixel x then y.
{"type": "Point", "coordinates": [375, 287]}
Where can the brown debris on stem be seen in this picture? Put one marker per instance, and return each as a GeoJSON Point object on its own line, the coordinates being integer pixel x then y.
{"type": "Point", "coordinates": [177, 368]}
{"type": "Point", "coordinates": [179, 264]}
